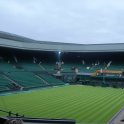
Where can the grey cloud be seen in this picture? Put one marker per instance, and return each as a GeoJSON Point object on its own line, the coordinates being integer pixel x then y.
{"type": "Point", "coordinates": [75, 21]}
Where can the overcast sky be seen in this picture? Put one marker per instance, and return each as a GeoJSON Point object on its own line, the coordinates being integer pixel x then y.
{"type": "Point", "coordinates": [74, 21]}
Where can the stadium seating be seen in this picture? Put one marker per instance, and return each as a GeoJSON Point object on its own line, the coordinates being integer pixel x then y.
{"type": "Point", "coordinates": [82, 68]}
{"type": "Point", "coordinates": [116, 67]}
{"type": "Point", "coordinates": [26, 79]}
{"type": "Point", "coordinates": [31, 66]}
{"type": "Point", "coordinates": [50, 79]}
{"type": "Point", "coordinates": [4, 66]}
{"type": "Point", "coordinates": [48, 66]}
{"type": "Point", "coordinates": [32, 75]}
{"type": "Point", "coordinates": [22, 74]}
{"type": "Point", "coordinates": [4, 84]}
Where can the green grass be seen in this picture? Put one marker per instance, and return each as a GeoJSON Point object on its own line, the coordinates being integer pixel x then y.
{"type": "Point", "coordinates": [85, 104]}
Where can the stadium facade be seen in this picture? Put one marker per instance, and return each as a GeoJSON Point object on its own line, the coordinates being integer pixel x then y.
{"type": "Point", "coordinates": [87, 64]}
{"type": "Point", "coordinates": [15, 41]}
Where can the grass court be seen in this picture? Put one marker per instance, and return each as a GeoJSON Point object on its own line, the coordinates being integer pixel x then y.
{"type": "Point", "coordinates": [85, 104]}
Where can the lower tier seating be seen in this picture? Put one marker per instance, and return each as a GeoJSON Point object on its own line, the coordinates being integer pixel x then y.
{"type": "Point", "coordinates": [26, 79]}
{"type": "Point", "coordinates": [4, 83]}
{"type": "Point", "coordinates": [50, 79]}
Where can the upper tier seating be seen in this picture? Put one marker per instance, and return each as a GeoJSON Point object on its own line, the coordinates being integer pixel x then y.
{"type": "Point", "coordinates": [4, 66]}
{"type": "Point", "coordinates": [31, 66]}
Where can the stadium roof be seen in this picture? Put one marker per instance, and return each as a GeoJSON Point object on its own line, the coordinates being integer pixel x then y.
{"type": "Point", "coordinates": [20, 42]}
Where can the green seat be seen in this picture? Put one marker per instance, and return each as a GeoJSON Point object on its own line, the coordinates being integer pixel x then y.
{"type": "Point", "coordinates": [50, 79]}
{"type": "Point", "coordinates": [26, 79]}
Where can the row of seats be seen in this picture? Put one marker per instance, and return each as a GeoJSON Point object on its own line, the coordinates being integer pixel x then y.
{"type": "Point", "coordinates": [50, 79]}
{"type": "Point", "coordinates": [26, 79]}
{"type": "Point", "coordinates": [4, 83]}
{"type": "Point", "coordinates": [67, 67]}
